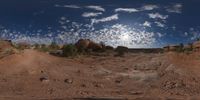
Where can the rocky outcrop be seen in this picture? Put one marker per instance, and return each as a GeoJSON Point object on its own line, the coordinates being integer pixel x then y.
{"type": "Point", "coordinates": [86, 44]}
{"type": "Point", "coordinates": [196, 46]}
{"type": "Point", "coordinates": [94, 46]}
{"type": "Point", "coordinates": [82, 44]}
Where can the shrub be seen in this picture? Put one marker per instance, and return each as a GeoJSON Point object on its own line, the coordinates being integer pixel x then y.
{"type": "Point", "coordinates": [21, 46]}
{"type": "Point", "coordinates": [37, 46]}
{"type": "Point", "coordinates": [54, 46]}
{"type": "Point", "coordinates": [103, 47]}
{"type": "Point", "coordinates": [180, 48]}
{"type": "Point", "coordinates": [121, 50]}
{"type": "Point", "coordinates": [69, 50]}
{"type": "Point", "coordinates": [44, 48]}
{"type": "Point", "coordinates": [190, 47]}
{"type": "Point", "coordinates": [109, 48]}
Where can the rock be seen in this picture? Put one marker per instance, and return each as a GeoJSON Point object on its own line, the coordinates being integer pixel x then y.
{"type": "Point", "coordinates": [119, 80]}
{"type": "Point", "coordinates": [82, 44]}
{"type": "Point", "coordinates": [44, 79]}
{"type": "Point", "coordinates": [98, 85]}
{"type": "Point", "coordinates": [68, 81]}
{"type": "Point", "coordinates": [86, 44]}
{"type": "Point", "coordinates": [172, 85]}
{"type": "Point", "coordinates": [94, 46]}
{"type": "Point", "coordinates": [136, 92]}
{"type": "Point", "coordinates": [83, 85]}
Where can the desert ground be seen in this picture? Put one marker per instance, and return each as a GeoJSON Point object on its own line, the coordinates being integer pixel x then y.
{"type": "Point", "coordinates": [34, 75]}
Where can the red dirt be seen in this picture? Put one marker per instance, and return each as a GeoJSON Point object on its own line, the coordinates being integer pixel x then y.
{"type": "Point", "coordinates": [33, 75]}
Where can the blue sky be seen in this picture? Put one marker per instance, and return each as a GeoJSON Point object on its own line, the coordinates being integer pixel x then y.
{"type": "Point", "coordinates": [132, 23]}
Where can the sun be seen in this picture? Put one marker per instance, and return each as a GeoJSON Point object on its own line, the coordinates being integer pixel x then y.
{"type": "Point", "coordinates": [124, 37]}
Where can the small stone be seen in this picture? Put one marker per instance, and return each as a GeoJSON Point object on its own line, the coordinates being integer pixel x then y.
{"type": "Point", "coordinates": [83, 85]}
{"type": "Point", "coordinates": [136, 92]}
{"type": "Point", "coordinates": [91, 66]}
{"type": "Point", "coordinates": [119, 80]}
{"type": "Point", "coordinates": [69, 81]}
{"type": "Point", "coordinates": [43, 79]}
{"type": "Point", "coordinates": [126, 68]}
{"type": "Point", "coordinates": [99, 85]}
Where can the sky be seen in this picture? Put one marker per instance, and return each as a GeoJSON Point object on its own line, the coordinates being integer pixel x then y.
{"type": "Point", "coordinates": [131, 23]}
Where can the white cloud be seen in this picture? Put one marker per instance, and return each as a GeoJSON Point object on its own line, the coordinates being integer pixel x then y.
{"type": "Point", "coordinates": [69, 6]}
{"type": "Point", "coordinates": [106, 19]}
{"type": "Point", "coordinates": [176, 8]}
{"type": "Point", "coordinates": [125, 35]}
{"type": "Point", "coordinates": [129, 10]}
{"type": "Point", "coordinates": [91, 14]}
{"type": "Point", "coordinates": [160, 35]}
{"type": "Point", "coordinates": [63, 18]}
{"type": "Point", "coordinates": [132, 10]}
{"type": "Point", "coordinates": [174, 28]}
{"type": "Point", "coordinates": [98, 8]}
{"type": "Point", "coordinates": [147, 24]}
{"type": "Point", "coordinates": [149, 7]}
{"type": "Point", "coordinates": [157, 16]}
{"type": "Point", "coordinates": [159, 24]}
{"type": "Point", "coordinates": [186, 33]}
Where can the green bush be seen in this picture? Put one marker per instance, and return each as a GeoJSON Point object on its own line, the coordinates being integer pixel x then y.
{"type": "Point", "coordinates": [44, 48]}
{"type": "Point", "coordinates": [37, 46]}
{"type": "Point", "coordinates": [180, 48]}
{"type": "Point", "coordinates": [54, 46]}
{"type": "Point", "coordinates": [69, 50]}
{"type": "Point", "coordinates": [121, 50]}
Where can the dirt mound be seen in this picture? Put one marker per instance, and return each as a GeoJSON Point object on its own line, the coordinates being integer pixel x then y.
{"type": "Point", "coordinates": [5, 44]}
{"type": "Point", "coordinates": [6, 48]}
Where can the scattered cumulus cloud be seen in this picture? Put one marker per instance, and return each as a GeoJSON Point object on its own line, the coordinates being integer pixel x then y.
{"type": "Point", "coordinates": [193, 33]}
{"type": "Point", "coordinates": [63, 18]}
{"type": "Point", "coordinates": [174, 28]}
{"type": "Point", "coordinates": [98, 8]}
{"type": "Point", "coordinates": [91, 14]}
{"type": "Point", "coordinates": [159, 24]}
{"type": "Point", "coordinates": [132, 10]}
{"type": "Point", "coordinates": [68, 6]}
{"type": "Point", "coordinates": [147, 24]}
{"type": "Point", "coordinates": [186, 33]}
{"type": "Point", "coordinates": [176, 8]}
{"type": "Point", "coordinates": [160, 34]}
{"type": "Point", "coordinates": [158, 16]}
{"type": "Point", "coordinates": [149, 7]}
{"type": "Point", "coordinates": [93, 7]}
{"type": "Point", "coordinates": [106, 19]}
{"type": "Point", "coordinates": [129, 10]}
{"type": "Point", "coordinates": [125, 35]}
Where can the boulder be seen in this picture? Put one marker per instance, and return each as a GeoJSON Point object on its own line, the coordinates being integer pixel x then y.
{"type": "Point", "coordinates": [82, 44]}
{"type": "Point", "coordinates": [94, 46]}
{"type": "Point", "coordinates": [85, 44]}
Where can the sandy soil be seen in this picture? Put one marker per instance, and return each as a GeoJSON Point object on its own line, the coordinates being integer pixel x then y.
{"type": "Point", "coordinates": [33, 75]}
